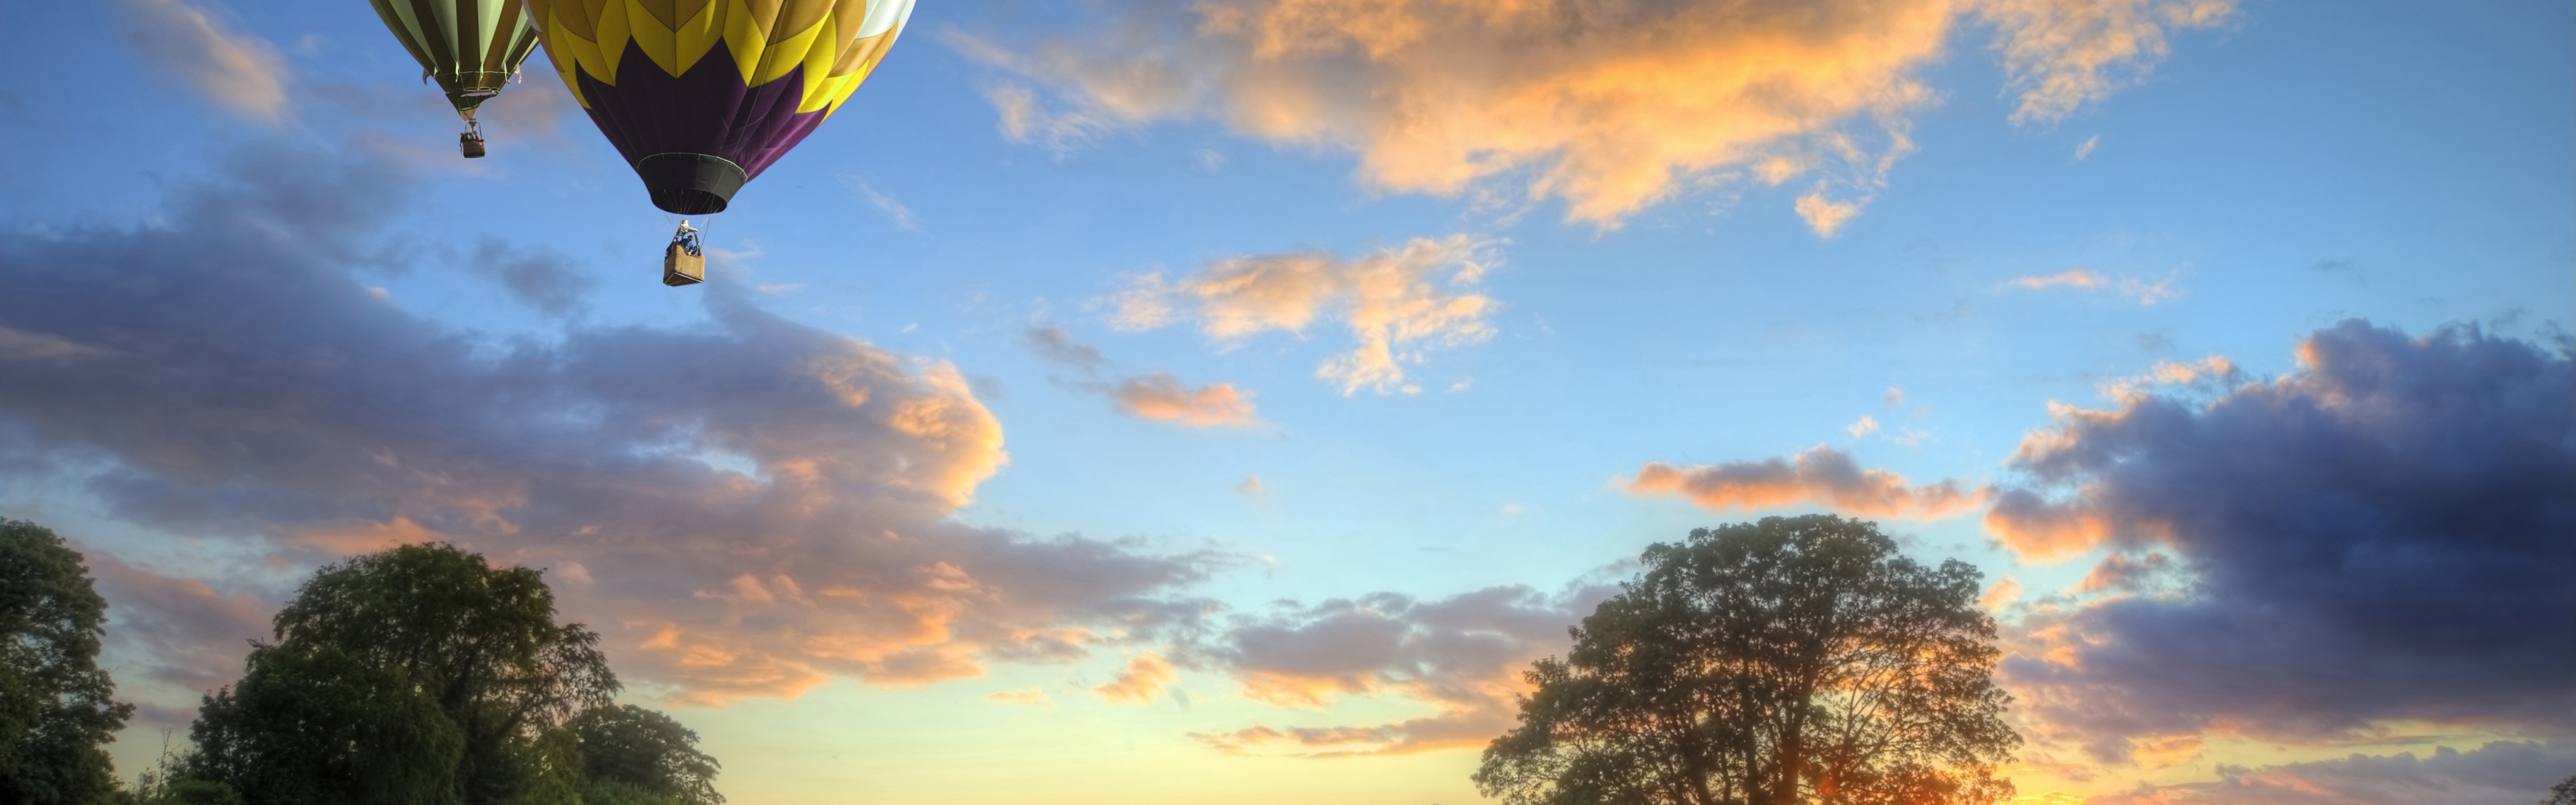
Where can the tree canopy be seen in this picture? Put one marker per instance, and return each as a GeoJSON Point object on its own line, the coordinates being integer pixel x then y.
{"type": "Point", "coordinates": [55, 714]}
{"type": "Point", "coordinates": [631, 754]}
{"type": "Point", "coordinates": [420, 675]}
{"type": "Point", "coordinates": [1790, 660]}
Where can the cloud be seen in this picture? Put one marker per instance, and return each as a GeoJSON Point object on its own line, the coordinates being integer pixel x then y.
{"type": "Point", "coordinates": [536, 276]}
{"type": "Point", "coordinates": [2214, 374]}
{"type": "Point", "coordinates": [2377, 537]}
{"type": "Point", "coordinates": [1036, 696]}
{"type": "Point", "coordinates": [1251, 487]}
{"type": "Point", "coordinates": [1157, 396]}
{"type": "Point", "coordinates": [1821, 475]}
{"type": "Point", "coordinates": [2063, 54]}
{"type": "Point", "coordinates": [1161, 398]}
{"type": "Point", "coordinates": [1461, 656]}
{"type": "Point", "coordinates": [1143, 680]}
{"type": "Point", "coordinates": [1053, 343]}
{"type": "Point", "coordinates": [2136, 290]}
{"type": "Point", "coordinates": [20, 345]}
{"type": "Point", "coordinates": [2501, 771]}
{"type": "Point", "coordinates": [1607, 107]}
{"type": "Point", "coordinates": [238, 71]}
{"type": "Point", "coordinates": [1863, 426]}
{"type": "Point", "coordinates": [2004, 591]}
{"type": "Point", "coordinates": [893, 209]}
{"type": "Point", "coordinates": [759, 506]}
{"type": "Point", "coordinates": [182, 633]}
{"type": "Point", "coordinates": [1396, 303]}
{"type": "Point", "coordinates": [2085, 148]}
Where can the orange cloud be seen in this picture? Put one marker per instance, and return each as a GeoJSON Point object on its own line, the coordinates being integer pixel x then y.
{"type": "Point", "coordinates": [2164, 751]}
{"type": "Point", "coordinates": [363, 536]}
{"type": "Point", "coordinates": [1142, 682]}
{"type": "Point", "coordinates": [2004, 591]}
{"type": "Point", "coordinates": [2063, 54]}
{"type": "Point", "coordinates": [1036, 696]}
{"type": "Point", "coordinates": [1820, 475]}
{"type": "Point", "coordinates": [1161, 398]}
{"type": "Point", "coordinates": [2041, 531]}
{"type": "Point", "coordinates": [1607, 107]}
{"type": "Point", "coordinates": [1396, 303]}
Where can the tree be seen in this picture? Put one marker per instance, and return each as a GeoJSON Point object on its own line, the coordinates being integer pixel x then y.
{"type": "Point", "coordinates": [419, 674]}
{"type": "Point", "coordinates": [630, 754]}
{"type": "Point", "coordinates": [55, 714]}
{"type": "Point", "coordinates": [2564, 793]}
{"type": "Point", "coordinates": [1787, 661]}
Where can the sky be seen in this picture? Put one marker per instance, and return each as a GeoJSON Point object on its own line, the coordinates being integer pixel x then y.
{"type": "Point", "coordinates": [1158, 402]}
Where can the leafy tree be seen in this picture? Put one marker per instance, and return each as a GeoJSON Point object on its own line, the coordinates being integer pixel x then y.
{"type": "Point", "coordinates": [2564, 793]}
{"type": "Point", "coordinates": [419, 674]}
{"type": "Point", "coordinates": [167, 783]}
{"type": "Point", "coordinates": [1787, 661]}
{"type": "Point", "coordinates": [631, 754]}
{"type": "Point", "coordinates": [55, 714]}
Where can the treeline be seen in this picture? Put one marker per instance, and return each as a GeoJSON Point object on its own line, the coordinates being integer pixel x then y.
{"type": "Point", "coordinates": [419, 675]}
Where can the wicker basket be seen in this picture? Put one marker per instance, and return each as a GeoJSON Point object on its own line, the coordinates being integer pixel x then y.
{"type": "Point", "coordinates": [679, 267]}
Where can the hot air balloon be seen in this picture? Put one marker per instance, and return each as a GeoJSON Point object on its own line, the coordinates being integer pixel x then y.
{"type": "Point", "coordinates": [471, 47]}
{"type": "Point", "coordinates": [700, 96]}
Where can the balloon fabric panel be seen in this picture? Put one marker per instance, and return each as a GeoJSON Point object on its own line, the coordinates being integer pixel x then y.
{"type": "Point", "coordinates": [702, 95]}
{"type": "Point", "coordinates": [470, 47]}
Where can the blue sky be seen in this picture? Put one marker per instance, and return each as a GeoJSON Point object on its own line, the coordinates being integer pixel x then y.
{"type": "Point", "coordinates": [1022, 172]}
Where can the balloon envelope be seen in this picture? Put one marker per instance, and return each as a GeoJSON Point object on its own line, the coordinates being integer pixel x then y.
{"type": "Point", "coordinates": [471, 47]}
{"type": "Point", "coordinates": [702, 95]}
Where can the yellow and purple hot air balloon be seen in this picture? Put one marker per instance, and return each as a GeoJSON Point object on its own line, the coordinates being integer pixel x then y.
{"type": "Point", "coordinates": [702, 95]}
{"type": "Point", "coordinates": [471, 47]}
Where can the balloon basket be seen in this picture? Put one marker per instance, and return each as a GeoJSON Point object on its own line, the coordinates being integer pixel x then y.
{"type": "Point", "coordinates": [682, 268]}
{"type": "Point", "coordinates": [683, 263]}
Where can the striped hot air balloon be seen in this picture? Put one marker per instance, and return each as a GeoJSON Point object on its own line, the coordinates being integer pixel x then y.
{"type": "Point", "coordinates": [702, 95]}
{"type": "Point", "coordinates": [471, 47]}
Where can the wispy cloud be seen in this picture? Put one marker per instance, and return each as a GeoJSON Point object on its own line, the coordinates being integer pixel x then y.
{"type": "Point", "coordinates": [237, 70]}
{"type": "Point", "coordinates": [2062, 54]}
{"type": "Point", "coordinates": [2084, 279]}
{"type": "Point", "coordinates": [1397, 303]}
{"type": "Point", "coordinates": [894, 210]}
{"type": "Point", "coordinates": [1036, 696]}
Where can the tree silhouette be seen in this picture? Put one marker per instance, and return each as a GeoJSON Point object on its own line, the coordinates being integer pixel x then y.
{"type": "Point", "coordinates": [55, 715]}
{"type": "Point", "coordinates": [1791, 660]}
{"type": "Point", "coordinates": [630, 754]}
{"type": "Point", "coordinates": [417, 675]}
